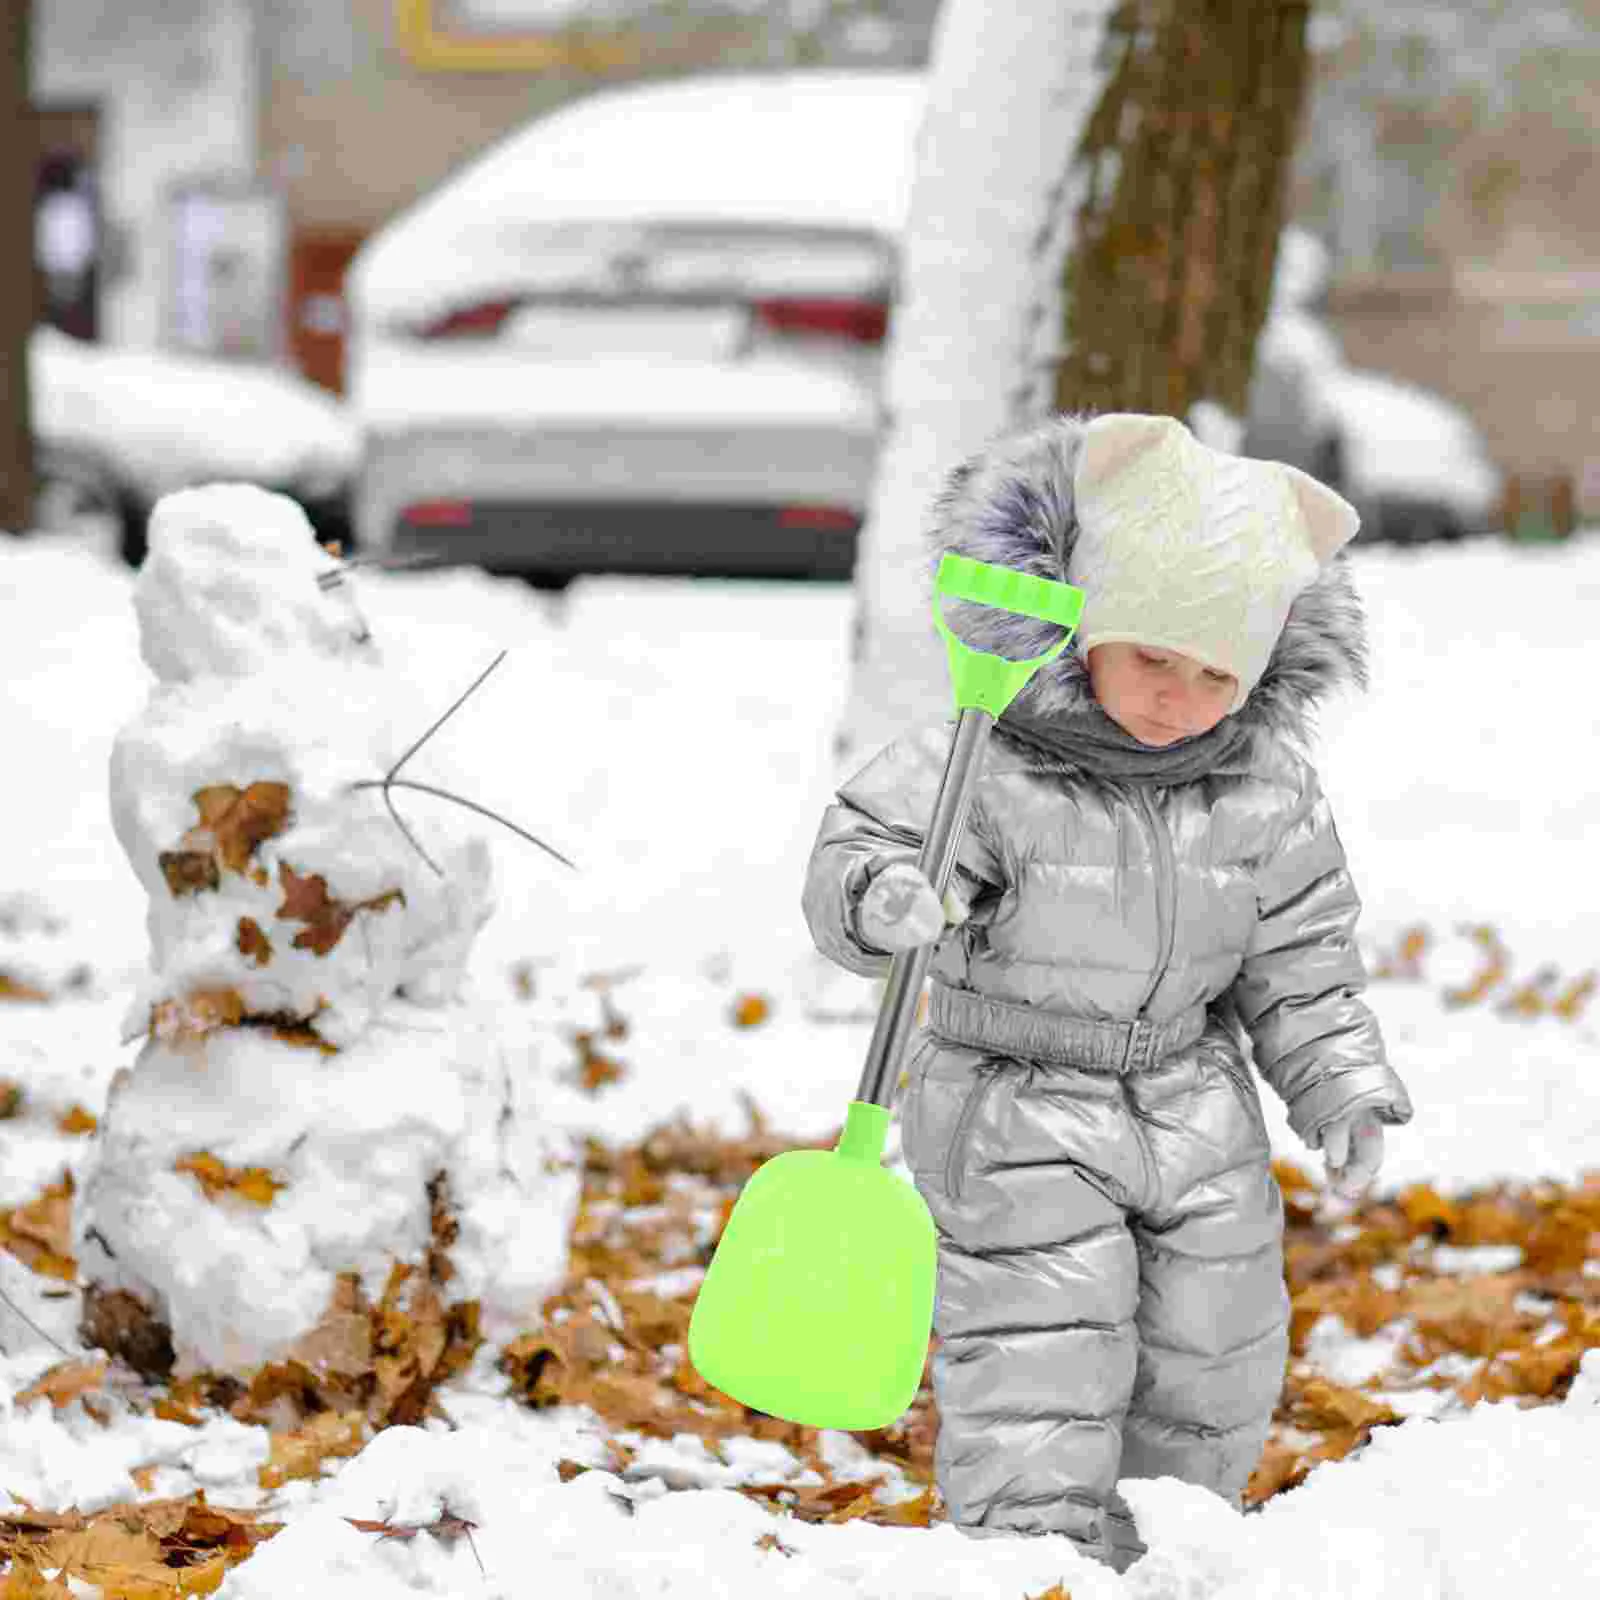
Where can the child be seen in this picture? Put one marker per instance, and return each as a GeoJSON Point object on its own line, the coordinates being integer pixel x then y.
{"type": "Point", "coordinates": [1150, 876]}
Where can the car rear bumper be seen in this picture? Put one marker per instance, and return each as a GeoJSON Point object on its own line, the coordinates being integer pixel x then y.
{"type": "Point", "coordinates": [746, 499]}
{"type": "Point", "coordinates": [562, 540]}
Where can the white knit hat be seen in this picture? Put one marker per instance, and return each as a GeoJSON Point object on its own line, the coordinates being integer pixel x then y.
{"type": "Point", "coordinates": [1182, 547]}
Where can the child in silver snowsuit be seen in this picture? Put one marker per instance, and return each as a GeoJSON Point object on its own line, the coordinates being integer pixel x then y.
{"type": "Point", "coordinates": [1150, 883]}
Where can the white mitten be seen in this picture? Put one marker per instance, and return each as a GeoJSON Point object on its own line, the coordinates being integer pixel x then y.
{"type": "Point", "coordinates": [900, 910]}
{"type": "Point", "coordinates": [1352, 1146]}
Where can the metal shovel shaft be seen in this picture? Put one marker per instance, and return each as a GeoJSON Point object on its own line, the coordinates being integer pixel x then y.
{"type": "Point", "coordinates": [898, 1012]}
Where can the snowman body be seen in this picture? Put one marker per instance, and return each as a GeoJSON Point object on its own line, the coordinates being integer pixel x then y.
{"type": "Point", "coordinates": [315, 1087]}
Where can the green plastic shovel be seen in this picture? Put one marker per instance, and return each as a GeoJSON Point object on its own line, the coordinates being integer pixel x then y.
{"type": "Point", "coordinates": [818, 1302]}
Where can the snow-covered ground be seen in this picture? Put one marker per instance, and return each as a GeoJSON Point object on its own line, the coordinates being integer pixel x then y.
{"type": "Point", "coordinates": [672, 738]}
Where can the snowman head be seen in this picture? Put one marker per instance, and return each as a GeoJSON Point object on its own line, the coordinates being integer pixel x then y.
{"type": "Point", "coordinates": [234, 581]}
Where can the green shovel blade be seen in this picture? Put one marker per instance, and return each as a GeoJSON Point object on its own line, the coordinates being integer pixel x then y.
{"type": "Point", "coordinates": [816, 1307]}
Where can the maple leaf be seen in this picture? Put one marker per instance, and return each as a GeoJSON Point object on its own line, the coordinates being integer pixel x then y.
{"type": "Point", "coordinates": [255, 1184]}
{"type": "Point", "coordinates": [306, 899]}
{"type": "Point", "coordinates": [65, 1382]}
{"type": "Point", "coordinates": [10, 1100]}
{"type": "Point", "coordinates": [238, 820]}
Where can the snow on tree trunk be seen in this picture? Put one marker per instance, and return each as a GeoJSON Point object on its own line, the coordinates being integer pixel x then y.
{"type": "Point", "coordinates": [1010, 91]}
{"type": "Point", "coordinates": [315, 1102]}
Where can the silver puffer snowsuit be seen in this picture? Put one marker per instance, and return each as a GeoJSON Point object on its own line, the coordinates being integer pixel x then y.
{"type": "Point", "coordinates": [1079, 1113]}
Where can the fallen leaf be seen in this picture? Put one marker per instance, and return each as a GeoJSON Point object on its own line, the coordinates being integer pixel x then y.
{"type": "Point", "coordinates": [39, 1234]}
{"type": "Point", "coordinates": [306, 899]}
{"type": "Point", "coordinates": [198, 1013]}
{"type": "Point", "coordinates": [1570, 1003]}
{"type": "Point", "coordinates": [239, 820]}
{"type": "Point", "coordinates": [252, 943]}
{"type": "Point", "coordinates": [446, 1528]}
{"type": "Point", "coordinates": [188, 871]}
{"type": "Point", "coordinates": [10, 1100]}
{"type": "Point", "coordinates": [595, 1071]}
{"type": "Point", "coordinates": [65, 1382]}
{"type": "Point", "coordinates": [121, 1324]}
{"type": "Point", "coordinates": [750, 1010]}
{"type": "Point", "coordinates": [12, 988]}
{"type": "Point", "coordinates": [255, 1184]}
{"type": "Point", "coordinates": [302, 1452]}
{"type": "Point", "coordinates": [1495, 967]}
{"type": "Point", "coordinates": [76, 1120]}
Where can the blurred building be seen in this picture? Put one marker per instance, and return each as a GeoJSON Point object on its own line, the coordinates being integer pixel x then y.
{"type": "Point", "coordinates": [1450, 159]}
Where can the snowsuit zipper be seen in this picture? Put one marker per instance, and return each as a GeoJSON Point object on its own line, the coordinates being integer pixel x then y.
{"type": "Point", "coordinates": [1166, 879]}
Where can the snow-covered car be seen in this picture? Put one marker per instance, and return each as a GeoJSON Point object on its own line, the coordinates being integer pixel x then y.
{"type": "Point", "coordinates": [117, 428]}
{"type": "Point", "coordinates": [642, 333]}
{"type": "Point", "coordinates": [1413, 464]}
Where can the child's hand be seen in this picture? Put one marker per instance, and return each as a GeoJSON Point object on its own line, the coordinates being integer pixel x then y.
{"type": "Point", "coordinates": [900, 910]}
{"type": "Point", "coordinates": [1353, 1150]}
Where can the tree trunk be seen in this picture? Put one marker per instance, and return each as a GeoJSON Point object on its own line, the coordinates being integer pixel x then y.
{"type": "Point", "coordinates": [1094, 222]}
{"type": "Point", "coordinates": [1010, 91]}
{"type": "Point", "coordinates": [1187, 159]}
{"type": "Point", "coordinates": [17, 285]}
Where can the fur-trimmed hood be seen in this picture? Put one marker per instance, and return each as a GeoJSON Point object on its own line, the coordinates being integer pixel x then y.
{"type": "Point", "coordinates": [1012, 505]}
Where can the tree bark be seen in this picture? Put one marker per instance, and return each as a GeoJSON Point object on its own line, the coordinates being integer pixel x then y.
{"type": "Point", "coordinates": [1188, 159]}
{"type": "Point", "coordinates": [18, 289]}
{"type": "Point", "coordinates": [1099, 190]}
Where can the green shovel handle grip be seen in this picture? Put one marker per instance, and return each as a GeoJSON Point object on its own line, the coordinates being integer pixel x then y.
{"type": "Point", "coordinates": [988, 682]}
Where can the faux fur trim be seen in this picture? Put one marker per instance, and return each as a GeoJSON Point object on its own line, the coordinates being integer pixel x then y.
{"type": "Point", "coordinates": [1012, 505]}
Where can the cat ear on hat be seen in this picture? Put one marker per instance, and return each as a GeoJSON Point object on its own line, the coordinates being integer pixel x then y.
{"type": "Point", "coordinates": [1331, 521]}
{"type": "Point", "coordinates": [1117, 441]}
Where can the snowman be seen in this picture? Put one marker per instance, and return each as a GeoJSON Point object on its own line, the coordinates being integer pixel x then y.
{"type": "Point", "coordinates": [315, 1099]}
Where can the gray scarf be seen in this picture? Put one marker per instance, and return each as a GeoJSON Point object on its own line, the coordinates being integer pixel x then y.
{"type": "Point", "coordinates": [1085, 737]}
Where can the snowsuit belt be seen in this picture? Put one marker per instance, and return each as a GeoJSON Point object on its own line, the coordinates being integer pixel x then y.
{"type": "Point", "coordinates": [979, 1022]}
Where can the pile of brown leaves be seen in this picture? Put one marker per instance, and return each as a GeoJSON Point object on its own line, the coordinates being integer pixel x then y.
{"type": "Point", "coordinates": [614, 1337]}
{"type": "Point", "coordinates": [1518, 1334]}
{"type": "Point", "coordinates": [152, 1551]}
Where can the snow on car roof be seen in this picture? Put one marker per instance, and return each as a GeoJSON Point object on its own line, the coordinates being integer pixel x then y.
{"type": "Point", "coordinates": [826, 150]}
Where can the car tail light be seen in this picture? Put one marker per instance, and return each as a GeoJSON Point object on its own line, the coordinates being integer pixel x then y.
{"type": "Point", "coordinates": [438, 513]}
{"type": "Point", "coordinates": [822, 519]}
{"type": "Point", "coordinates": [863, 321]}
{"type": "Point", "coordinates": [471, 322]}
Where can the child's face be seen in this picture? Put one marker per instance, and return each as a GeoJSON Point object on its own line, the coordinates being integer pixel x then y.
{"type": "Point", "coordinates": [1159, 696]}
